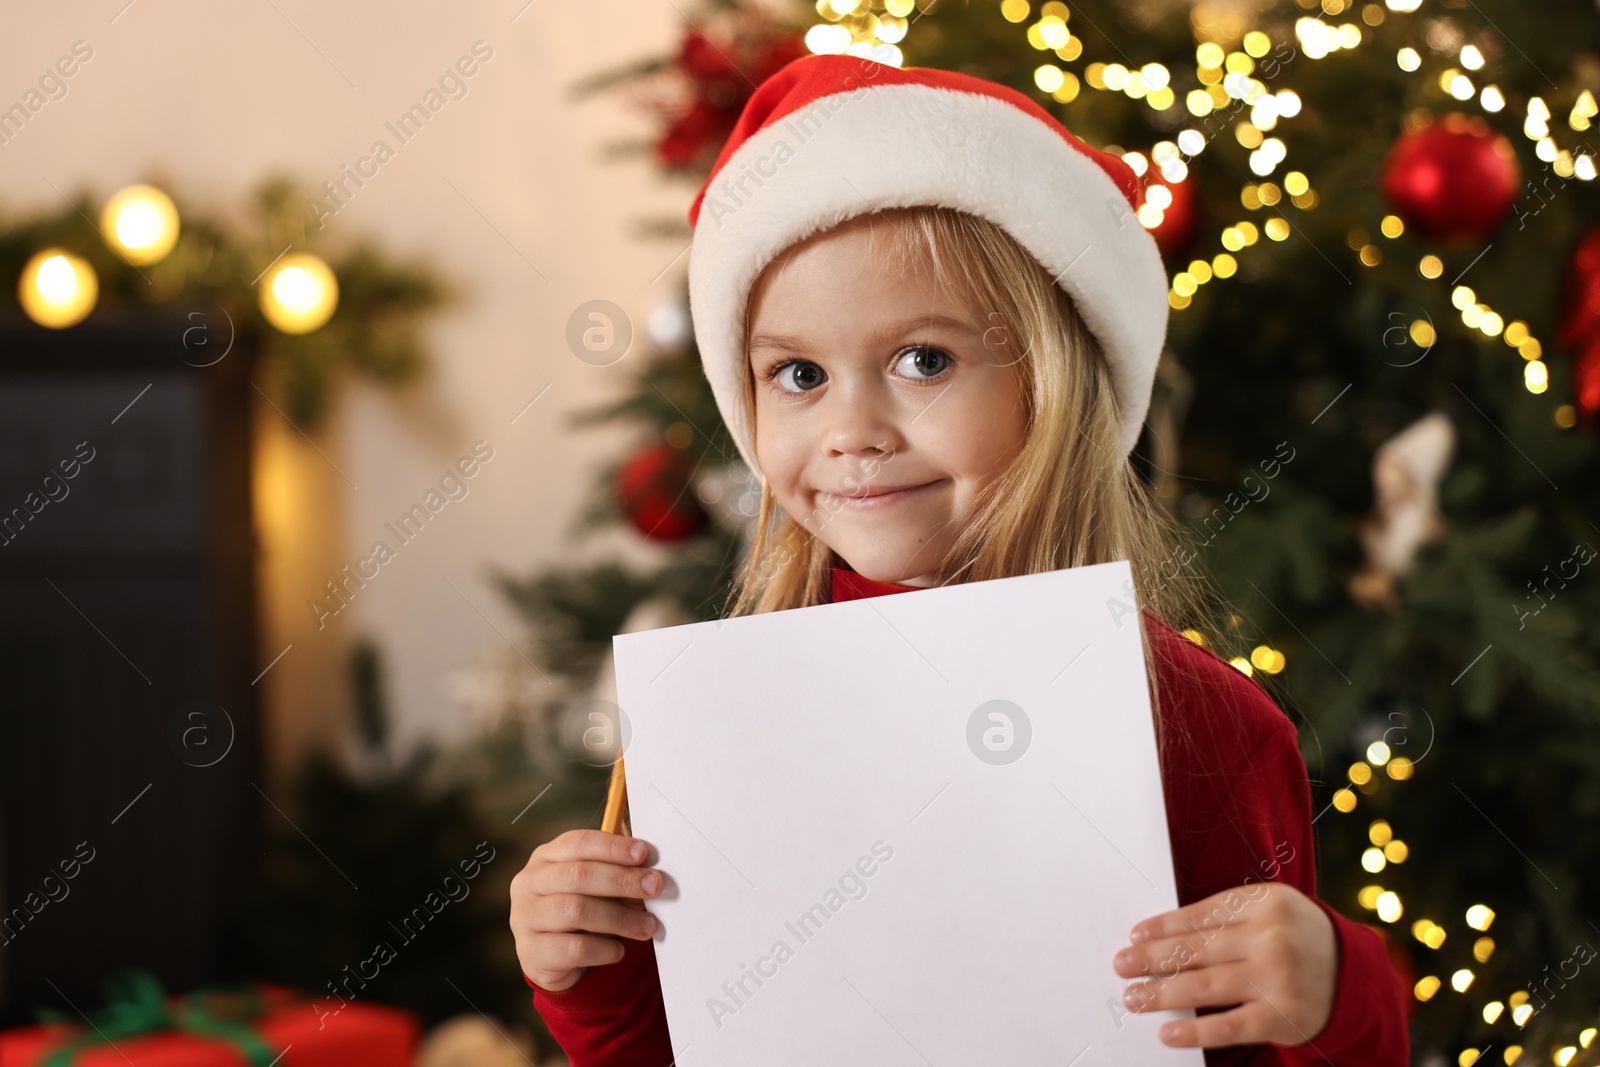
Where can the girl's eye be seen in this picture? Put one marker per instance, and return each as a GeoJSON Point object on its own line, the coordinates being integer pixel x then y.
{"type": "Point", "coordinates": [806, 375]}
{"type": "Point", "coordinates": [925, 361]}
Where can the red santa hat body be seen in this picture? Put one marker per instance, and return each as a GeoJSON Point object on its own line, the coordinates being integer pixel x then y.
{"type": "Point", "coordinates": [831, 137]}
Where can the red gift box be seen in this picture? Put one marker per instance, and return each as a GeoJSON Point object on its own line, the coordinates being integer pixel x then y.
{"type": "Point", "coordinates": [307, 1032]}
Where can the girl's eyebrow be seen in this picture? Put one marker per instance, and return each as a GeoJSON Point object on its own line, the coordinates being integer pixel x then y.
{"type": "Point", "coordinates": [786, 343]}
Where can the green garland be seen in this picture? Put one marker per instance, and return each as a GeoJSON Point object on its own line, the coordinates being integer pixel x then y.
{"type": "Point", "coordinates": [373, 331]}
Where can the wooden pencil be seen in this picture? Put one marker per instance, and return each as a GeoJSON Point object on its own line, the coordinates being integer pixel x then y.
{"type": "Point", "coordinates": [616, 801]}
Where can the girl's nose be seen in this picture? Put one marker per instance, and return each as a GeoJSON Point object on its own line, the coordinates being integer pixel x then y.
{"type": "Point", "coordinates": [860, 422]}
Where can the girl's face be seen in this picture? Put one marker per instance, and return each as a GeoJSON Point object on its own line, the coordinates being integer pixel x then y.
{"type": "Point", "coordinates": [882, 407]}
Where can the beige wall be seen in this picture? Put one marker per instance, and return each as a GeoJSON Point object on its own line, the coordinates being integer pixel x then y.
{"type": "Point", "coordinates": [216, 96]}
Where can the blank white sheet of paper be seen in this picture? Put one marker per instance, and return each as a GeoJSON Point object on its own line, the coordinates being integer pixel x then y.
{"type": "Point", "coordinates": [906, 830]}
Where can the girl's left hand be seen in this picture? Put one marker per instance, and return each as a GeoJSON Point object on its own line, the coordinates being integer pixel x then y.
{"type": "Point", "coordinates": [1272, 951]}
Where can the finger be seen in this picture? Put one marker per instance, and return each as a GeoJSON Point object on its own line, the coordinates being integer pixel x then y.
{"type": "Point", "coordinates": [598, 845]}
{"type": "Point", "coordinates": [1201, 987]}
{"type": "Point", "coordinates": [596, 879]}
{"type": "Point", "coordinates": [1248, 1024]}
{"type": "Point", "coordinates": [1166, 956]}
{"type": "Point", "coordinates": [572, 912]}
{"type": "Point", "coordinates": [1217, 910]}
{"type": "Point", "coordinates": [551, 954]}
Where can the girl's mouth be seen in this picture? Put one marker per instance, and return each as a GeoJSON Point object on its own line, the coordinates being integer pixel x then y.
{"type": "Point", "coordinates": [875, 499]}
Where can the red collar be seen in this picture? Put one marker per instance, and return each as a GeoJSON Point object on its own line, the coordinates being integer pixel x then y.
{"type": "Point", "coordinates": [848, 585]}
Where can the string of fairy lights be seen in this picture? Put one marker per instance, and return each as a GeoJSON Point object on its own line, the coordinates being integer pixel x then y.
{"type": "Point", "coordinates": [1228, 78]}
{"type": "Point", "coordinates": [140, 223]}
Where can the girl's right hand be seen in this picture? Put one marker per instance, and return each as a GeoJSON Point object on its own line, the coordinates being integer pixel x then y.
{"type": "Point", "coordinates": [575, 896]}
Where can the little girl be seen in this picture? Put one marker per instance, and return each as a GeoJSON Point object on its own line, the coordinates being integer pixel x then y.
{"type": "Point", "coordinates": [931, 321]}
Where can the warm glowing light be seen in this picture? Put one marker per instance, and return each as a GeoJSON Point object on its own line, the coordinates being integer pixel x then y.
{"type": "Point", "coordinates": [57, 289]}
{"type": "Point", "coordinates": [1265, 657]}
{"type": "Point", "coordinates": [1378, 755]}
{"type": "Point", "coordinates": [1408, 59]}
{"type": "Point", "coordinates": [299, 294]}
{"type": "Point", "coordinates": [1344, 800]}
{"type": "Point", "coordinates": [1461, 980]}
{"type": "Point", "coordinates": [1480, 916]}
{"type": "Point", "coordinates": [1389, 908]}
{"type": "Point", "coordinates": [1052, 31]}
{"type": "Point", "coordinates": [826, 40]}
{"type": "Point", "coordinates": [1535, 376]}
{"type": "Point", "coordinates": [141, 223]}
{"type": "Point", "coordinates": [1372, 860]}
{"type": "Point", "coordinates": [1399, 768]}
{"type": "Point", "coordinates": [1426, 988]}
{"type": "Point", "coordinates": [1428, 932]}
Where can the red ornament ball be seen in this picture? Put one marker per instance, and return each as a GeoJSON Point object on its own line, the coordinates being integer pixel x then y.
{"type": "Point", "coordinates": [1586, 380]}
{"type": "Point", "coordinates": [1580, 329]}
{"type": "Point", "coordinates": [1455, 178]}
{"type": "Point", "coordinates": [654, 492]}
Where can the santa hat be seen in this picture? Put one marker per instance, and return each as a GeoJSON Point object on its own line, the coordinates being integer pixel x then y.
{"type": "Point", "coordinates": [831, 137]}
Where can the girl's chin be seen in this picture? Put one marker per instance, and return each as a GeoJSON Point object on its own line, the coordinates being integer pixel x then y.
{"type": "Point", "coordinates": [882, 563]}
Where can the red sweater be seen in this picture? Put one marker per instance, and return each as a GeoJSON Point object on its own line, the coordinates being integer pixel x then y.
{"type": "Point", "coordinates": [1238, 811]}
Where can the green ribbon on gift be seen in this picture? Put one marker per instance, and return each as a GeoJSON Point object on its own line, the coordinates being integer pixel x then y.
{"type": "Point", "coordinates": [137, 1005]}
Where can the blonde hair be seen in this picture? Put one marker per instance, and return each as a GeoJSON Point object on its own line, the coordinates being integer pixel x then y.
{"type": "Point", "coordinates": [1070, 498]}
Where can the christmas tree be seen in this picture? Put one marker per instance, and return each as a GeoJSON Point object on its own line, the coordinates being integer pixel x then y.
{"type": "Point", "coordinates": [1375, 416]}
